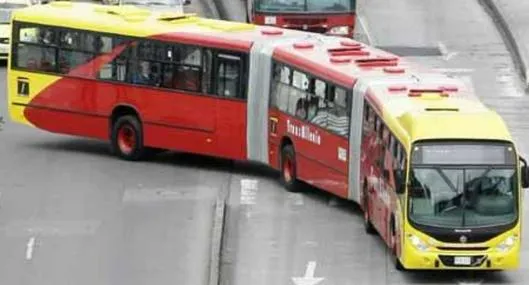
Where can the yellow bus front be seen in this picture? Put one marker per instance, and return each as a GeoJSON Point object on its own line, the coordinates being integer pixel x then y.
{"type": "Point", "coordinates": [463, 202]}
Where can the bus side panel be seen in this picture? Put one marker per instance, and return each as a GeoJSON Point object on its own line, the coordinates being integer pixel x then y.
{"type": "Point", "coordinates": [321, 156]}
{"type": "Point", "coordinates": [73, 106]}
{"type": "Point", "coordinates": [231, 129]}
{"type": "Point", "coordinates": [370, 172]}
{"type": "Point", "coordinates": [175, 120]}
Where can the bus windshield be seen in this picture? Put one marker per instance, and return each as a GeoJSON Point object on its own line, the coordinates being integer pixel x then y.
{"type": "Point", "coordinates": [463, 185]}
{"type": "Point", "coordinates": [293, 6]}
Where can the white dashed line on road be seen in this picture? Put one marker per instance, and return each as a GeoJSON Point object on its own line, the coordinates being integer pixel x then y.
{"type": "Point", "coordinates": [29, 248]}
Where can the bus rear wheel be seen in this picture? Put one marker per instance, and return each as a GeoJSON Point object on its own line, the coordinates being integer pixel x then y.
{"type": "Point", "coordinates": [127, 138]}
{"type": "Point", "coordinates": [367, 219]}
{"type": "Point", "coordinates": [288, 169]}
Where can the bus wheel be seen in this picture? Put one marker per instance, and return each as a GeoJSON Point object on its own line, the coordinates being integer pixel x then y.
{"type": "Point", "coordinates": [396, 260]}
{"type": "Point", "coordinates": [367, 220]}
{"type": "Point", "coordinates": [288, 169]}
{"type": "Point", "coordinates": [127, 138]}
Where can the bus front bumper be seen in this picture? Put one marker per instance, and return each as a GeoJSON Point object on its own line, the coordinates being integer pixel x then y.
{"type": "Point", "coordinates": [475, 260]}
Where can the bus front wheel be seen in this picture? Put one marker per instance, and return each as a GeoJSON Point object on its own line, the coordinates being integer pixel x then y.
{"type": "Point", "coordinates": [127, 138]}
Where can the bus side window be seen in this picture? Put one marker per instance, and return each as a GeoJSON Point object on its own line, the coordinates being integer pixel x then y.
{"type": "Point", "coordinates": [280, 86]}
{"type": "Point", "coordinates": [338, 120]}
{"type": "Point", "coordinates": [28, 34]}
{"type": "Point", "coordinates": [207, 66]}
{"type": "Point", "coordinates": [297, 99]}
{"type": "Point", "coordinates": [317, 110]}
{"type": "Point", "coordinates": [188, 70]}
{"type": "Point", "coordinates": [229, 76]}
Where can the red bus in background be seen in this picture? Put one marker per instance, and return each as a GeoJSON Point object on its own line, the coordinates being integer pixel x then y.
{"type": "Point", "coordinates": [332, 17]}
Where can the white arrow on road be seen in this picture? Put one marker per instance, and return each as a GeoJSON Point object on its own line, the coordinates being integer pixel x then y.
{"type": "Point", "coordinates": [477, 282]}
{"type": "Point", "coordinates": [309, 278]}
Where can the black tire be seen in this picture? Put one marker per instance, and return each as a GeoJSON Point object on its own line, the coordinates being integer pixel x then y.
{"type": "Point", "coordinates": [288, 169]}
{"type": "Point", "coordinates": [396, 260]}
{"type": "Point", "coordinates": [368, 226]}
{"type": "Point", "coordinates": [127, 138]}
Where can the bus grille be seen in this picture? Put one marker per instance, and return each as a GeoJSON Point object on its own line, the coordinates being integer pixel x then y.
{"type": "Point", "coordinates": [4, 40]}
{"type": "Point", "coordinates": [304, 21]}
{"type": "Point", "coordinates": [476, 260]}
{"type": "Point", "coordinates": [462, 248]}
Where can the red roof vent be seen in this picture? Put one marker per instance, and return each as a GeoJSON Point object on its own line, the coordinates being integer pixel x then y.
{"type": "Point", "coordinates": [351, 44]}
{"type": "Point", "coordinates": [336, 59]}
{"type": "Point", "coordinates": [418, 92]}
{"type": "Point", "coordinates": [394, 70]}
{"type": "Point", "coordinates": [271, 32]}
{"type": "Point", "coordinates": [351, 53]}
{"type": "Point", "coordinates": [397, 88]}
{"type": "Point", "coordinates": [303, 45]}
{"type": "Point", "coordinates": [377, 62]}
{"type": "Point", "coordinates": [449, 88]}
{"type": "Point", "coordinates": [332, 50]}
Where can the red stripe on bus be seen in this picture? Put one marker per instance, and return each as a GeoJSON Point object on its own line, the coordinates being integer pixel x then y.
{"type": "Point", "coordinates": [93, 67]}
{"type": "Point", "coordinates": [205, 40]}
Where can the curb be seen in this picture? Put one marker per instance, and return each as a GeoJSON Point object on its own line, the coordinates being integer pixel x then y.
{"type": "Point", "coordinates": [216, 241]}
{"type": "Point", "coordinates": [212, 8]}
{"type": "Point", "coordinates": [221, 10]}
{"type": "Point", "coordinates": [519, 57]}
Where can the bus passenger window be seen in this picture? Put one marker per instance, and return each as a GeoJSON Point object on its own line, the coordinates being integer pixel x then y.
{"type": "Point", "coordinates": [228, 76]}
{"type": "Point", "coordinates": [35, 57]}
{"type": "Point", "coordinates": [281, 91]}
{"type": "Point", "coordinates": [206, 71]}
{"type": "Point", "coordinates": [338, 120]}
{"type": "Point", "coordinates": [317, 110]}
{"type": "Point", "coordinates": [145, 73]}
{"type": "Point", "coordinates": [47, 36]}
{"type": "Point", "coordinates": [103, 44]}
{"type": "Point", "coordinates": [168, 75]}
{"type": "Point", "coordinates": [28, 34]}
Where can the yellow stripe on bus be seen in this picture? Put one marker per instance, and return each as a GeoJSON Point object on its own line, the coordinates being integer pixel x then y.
{"type": "Point", "coordinates": [36, 83]}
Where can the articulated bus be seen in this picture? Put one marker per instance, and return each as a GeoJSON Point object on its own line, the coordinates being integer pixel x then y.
{"type": "Point", "coordinates": [436, 172]}
{"type": "Point", "coordinates": [337, 17]}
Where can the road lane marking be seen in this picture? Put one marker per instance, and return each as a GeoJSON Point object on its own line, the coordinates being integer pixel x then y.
{"type": "Point", "coordinates": [365, 28]}
{"type": "Point", "coordinates": [51, 228]}
{"type": "Point", "coordinates": [308, 278]}
{"type": "Point", "coordinates": [295, 199]}
{"type": "Point", "coordinates": [447, 55]}
{"type": "Point", "coordinates": [454, 70]}
{"type": "Point", "coordinates": [29, 248]}
{"type": "Point", "coordinates": [248, 191]}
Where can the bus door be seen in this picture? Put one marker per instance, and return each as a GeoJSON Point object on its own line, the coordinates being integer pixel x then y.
{"type": "Point", "coordinates": [231, 106]}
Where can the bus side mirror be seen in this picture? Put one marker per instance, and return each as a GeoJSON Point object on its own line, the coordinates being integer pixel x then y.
{"type": "Point", "coordinates": [524, 173]}
{"type": "Point", "coordinates": [187, 2]}
{"type": "Point", "coordinates": [399, 181]}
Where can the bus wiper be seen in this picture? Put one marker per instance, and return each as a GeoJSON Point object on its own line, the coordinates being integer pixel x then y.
{"type": "Point", "coordinates": [158, 3]}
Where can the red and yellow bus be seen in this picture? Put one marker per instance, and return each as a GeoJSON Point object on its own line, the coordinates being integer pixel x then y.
{"type": "Point", "coordinates": [436, 172]}
{"type": "Point", "coordinates": [336, 18]}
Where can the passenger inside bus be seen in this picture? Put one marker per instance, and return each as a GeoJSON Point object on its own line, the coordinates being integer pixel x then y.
{"type": "Point", "coordinates": [143, 74]}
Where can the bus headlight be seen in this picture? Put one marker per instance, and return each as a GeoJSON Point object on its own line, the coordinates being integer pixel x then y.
{"type": "Point", "coordinates": [340, 30]}
{"type": "Point", "coordinates": [507, 244]}
{"type": "Point", "coordinates": [418, 243]}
